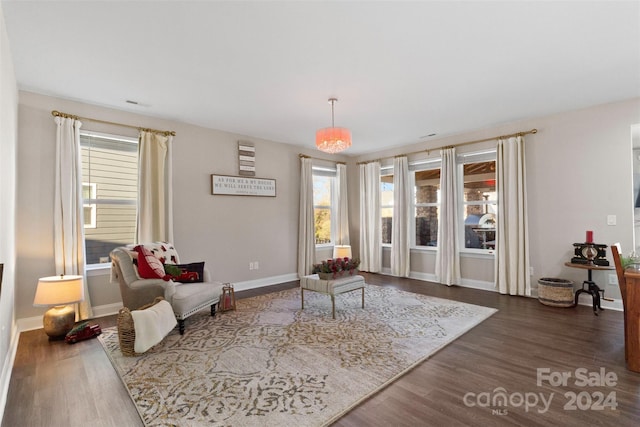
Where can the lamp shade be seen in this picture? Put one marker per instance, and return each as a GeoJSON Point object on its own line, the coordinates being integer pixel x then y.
{"type": "Point", "coordinates": [333, 140]}
{"type": "Point", "coordinates": [342, 251]}
{"type": "Point", "coordinates": [59, 290]}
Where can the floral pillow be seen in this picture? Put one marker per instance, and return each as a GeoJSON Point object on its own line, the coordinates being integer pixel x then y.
{"type": "Point", "coordinates": [150, 267]}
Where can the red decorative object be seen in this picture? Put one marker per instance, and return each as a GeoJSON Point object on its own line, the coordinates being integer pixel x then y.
{"type": "Point", "coordinates": [589, 237]}
{"type": "Point", "coordinates": [83, 331]}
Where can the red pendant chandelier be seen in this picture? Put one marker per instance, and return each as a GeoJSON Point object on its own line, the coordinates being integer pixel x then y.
{"type": "Point", "coordinates": [333, 140]}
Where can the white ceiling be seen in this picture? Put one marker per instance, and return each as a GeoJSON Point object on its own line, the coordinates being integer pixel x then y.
{"type": "Point", "coordinates": [401, 70]}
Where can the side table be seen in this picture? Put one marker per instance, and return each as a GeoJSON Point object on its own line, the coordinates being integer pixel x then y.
{"type": "Point", "coordinates": [591, 287]}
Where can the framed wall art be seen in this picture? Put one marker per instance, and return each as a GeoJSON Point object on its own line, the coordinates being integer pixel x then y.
{"type": "Point", "coordinates": [228, 185]}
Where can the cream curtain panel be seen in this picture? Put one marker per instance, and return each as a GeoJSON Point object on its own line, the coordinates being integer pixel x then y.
{"type": "Point", "coordinates": [447, 255]}
{"type": "Point", "coordinates": [512, 236]}
{"type": "Point", "coordinates": [69, 250]}
{"type": "Point", "coordinates": [342, 226]}
{"type": "Point", "coordinates": [400, 231]}
{"type": "Point", "coordinates": [306, 225]}
{"type": "Point", "coordinates": [370, 218]}
{"type": "Point", "coordinates": [155, 198]}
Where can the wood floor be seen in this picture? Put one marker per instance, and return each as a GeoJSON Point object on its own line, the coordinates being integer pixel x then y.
{"type": "Point", "coordinates": [56, 384]}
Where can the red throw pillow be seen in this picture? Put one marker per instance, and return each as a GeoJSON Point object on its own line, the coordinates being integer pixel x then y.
{"type": "Point", "coordinates": [150, 267]}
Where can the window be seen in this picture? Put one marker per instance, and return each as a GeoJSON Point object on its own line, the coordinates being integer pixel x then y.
{"type": "Point", "coordinates": [480, 200]}
{"type": "Point", "coordinates": [324, 181]}
{"type": "Point", "coordinates": [109, 191]}
{"type": "Point", "coordinates": [89, 193]}
{"type": "Point", "coordinates": [426, 205]}
{"type": "Point", "coordinates": [386, 205]}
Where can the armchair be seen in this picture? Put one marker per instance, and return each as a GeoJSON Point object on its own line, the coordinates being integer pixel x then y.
{"type": "Point", "coordinates": [185, 298]}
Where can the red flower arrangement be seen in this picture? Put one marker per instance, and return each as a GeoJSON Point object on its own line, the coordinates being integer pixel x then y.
{"type": "Point", "coordinates": [338, 267]}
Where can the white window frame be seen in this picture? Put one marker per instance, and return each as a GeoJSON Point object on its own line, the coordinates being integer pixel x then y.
{"type": "Point", "coordinates": [92, 206]}
{"type": "Point", "coordinates": [461, 160]}
{"type": "Point", "coordinates": [417, 166]}
{"type": "Point", "coordinates": [333, 174]}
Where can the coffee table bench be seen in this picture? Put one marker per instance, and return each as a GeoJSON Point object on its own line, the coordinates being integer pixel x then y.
{"type": "Point", "coordinates": [331, 287]}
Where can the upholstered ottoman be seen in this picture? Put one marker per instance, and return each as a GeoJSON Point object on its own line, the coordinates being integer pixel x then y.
{"type": "Point", "coordinates": [194, 297]}
{"type": "Point", "coordinates": [331, 287]}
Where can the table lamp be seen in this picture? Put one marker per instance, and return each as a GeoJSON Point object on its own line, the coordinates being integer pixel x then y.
{"type": "Point", "coordinates": [342, 251]}
{"type": "Point", "coordinates": [59, 292]}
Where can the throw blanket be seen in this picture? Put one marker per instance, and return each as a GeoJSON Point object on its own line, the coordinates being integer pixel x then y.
{"type": "Point", "coordinates": [152, 325]}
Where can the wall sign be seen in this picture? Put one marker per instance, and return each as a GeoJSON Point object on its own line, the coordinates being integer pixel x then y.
{"type": "Point", "coordinates": [227, 185]}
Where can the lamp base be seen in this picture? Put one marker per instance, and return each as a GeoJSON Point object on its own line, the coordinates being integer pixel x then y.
{"type": "Point", "coordinates": [58, 321]}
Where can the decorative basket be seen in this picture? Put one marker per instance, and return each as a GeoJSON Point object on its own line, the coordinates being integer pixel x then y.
{"type": "Point", "coordinates": [337, 275]}
{"type": "Point", "coordinates": [555, 292]}
{"type": "Point", "coordinates": [127, 331]}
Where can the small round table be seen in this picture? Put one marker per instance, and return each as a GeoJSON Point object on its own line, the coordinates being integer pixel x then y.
{"type": "Point", "coordinates": [592, 289]}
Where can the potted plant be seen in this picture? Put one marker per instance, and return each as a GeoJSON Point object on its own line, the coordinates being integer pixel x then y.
{"type": "Point", "coordinates": [336, 268]}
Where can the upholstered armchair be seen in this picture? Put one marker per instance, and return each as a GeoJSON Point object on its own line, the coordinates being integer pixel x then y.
{"type": "Point", "coordinates": [185, 298]}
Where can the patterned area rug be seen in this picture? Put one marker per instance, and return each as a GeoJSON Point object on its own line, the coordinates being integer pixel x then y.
{"type": "Point", "coordinates": [270, 364]}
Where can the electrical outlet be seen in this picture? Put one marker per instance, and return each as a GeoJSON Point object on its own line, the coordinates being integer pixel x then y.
{"type": "Point", "coordinates": [251, 266]}
{"type": "Point", "coordinates": [530, 271]}
{"type": "Point", "coordinates": [613, 279]}
{"type": "Point", "coordinates": [611, 220]}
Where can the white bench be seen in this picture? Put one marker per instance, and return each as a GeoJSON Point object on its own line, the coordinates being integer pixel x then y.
{"type": "Point", "coordinates": [331, 287]}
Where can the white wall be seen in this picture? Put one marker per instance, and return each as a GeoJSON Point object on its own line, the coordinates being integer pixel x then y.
{"type": "Point", "coordinates": [579, 168]}
{"type": "Point", "coordinates": [227, 232]}
{"type": "Point", "coordinates": [8, 143]}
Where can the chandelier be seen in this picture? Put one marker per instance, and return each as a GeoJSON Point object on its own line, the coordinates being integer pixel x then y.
{"type": "Point", "coordinates": [333, 140]}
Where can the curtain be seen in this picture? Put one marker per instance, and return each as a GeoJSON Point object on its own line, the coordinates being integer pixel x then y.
{"type": "Point", "coordinates": [370, 220]}
{"type": "Point", "coordinates": [155, 198]}
{"type": "Point", "coordinates": [69, 250]}
{"type": "Point", "coordinates": [447, 256]}
{"type": "Point", "coordinates": [343, 206]}
{"type": "Point", "coordinates": [512, 235]}
{"type": "Point", "coordinates": [400, 231]}
{"type": "Point", "coordinates": [306, 223]}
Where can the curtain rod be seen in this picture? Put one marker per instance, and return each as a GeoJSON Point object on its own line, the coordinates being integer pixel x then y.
{"type": "Point", "coordinates": [304, 156]}
{"type": "Point", "coordinates": [71, 116]}
{"type": "Point", "coordinates": [532, 131]}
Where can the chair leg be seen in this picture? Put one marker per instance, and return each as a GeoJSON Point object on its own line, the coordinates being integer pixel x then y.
{"type": "Point", "coordinates": [213, 310]}
{"type": "Point", "coordinates": [181, 326]}
{"type": "Point", "coordinates": [362, 297]}
{"type": "Point", "coordinates": [302, 297]}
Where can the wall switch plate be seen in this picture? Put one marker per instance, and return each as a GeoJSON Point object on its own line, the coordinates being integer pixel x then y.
{"type": "Point", "coordinates": [613, 279]}
{"type": "Point", "coordinates": [611, 220]}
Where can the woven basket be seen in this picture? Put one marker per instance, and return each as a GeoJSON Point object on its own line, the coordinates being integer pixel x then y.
{"type": "Point", "coordinates": [555, 292]}
{"type": "Point", "coordinates": [127, 331]}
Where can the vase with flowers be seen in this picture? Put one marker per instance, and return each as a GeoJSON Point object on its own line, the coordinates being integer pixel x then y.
{"type": "Point", "coordinates": [336, 268]}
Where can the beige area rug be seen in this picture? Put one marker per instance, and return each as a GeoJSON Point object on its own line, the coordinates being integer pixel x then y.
{"type": "Point", "coordinates": [270, 364]}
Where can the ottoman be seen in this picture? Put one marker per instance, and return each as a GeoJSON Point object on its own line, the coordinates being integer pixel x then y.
{"type": "Point", "coordinates": [331, 287]}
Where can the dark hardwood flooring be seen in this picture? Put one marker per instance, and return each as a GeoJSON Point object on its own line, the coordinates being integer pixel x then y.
{"type": "Point", "coordinates": [56, 384]}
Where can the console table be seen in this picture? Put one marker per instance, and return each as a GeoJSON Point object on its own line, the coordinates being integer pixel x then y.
{"type": "Point", "coordinates": [591, 287]}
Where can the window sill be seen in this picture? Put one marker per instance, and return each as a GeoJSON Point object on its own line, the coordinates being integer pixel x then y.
{"type": "Point", "coordinates": [424, 248]}
{"type": "Point", "coordinates": [98, 269]}
{"type": "Point", "coordinates": [477, 254]}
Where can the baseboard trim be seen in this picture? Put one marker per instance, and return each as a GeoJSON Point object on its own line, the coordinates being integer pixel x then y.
{"type": "Point", "coordinates": [7, 368]}
{"type": "Point", "coordinates": [265, 281]}
{"type": "Point", "coordinates": [478, 284]}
